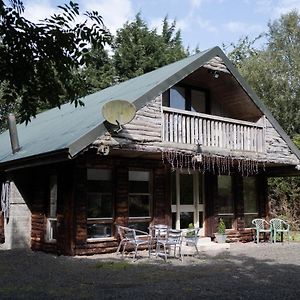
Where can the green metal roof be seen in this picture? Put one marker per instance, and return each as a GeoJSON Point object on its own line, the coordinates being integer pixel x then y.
{"type": "Point", "coordinates": [72, 129]}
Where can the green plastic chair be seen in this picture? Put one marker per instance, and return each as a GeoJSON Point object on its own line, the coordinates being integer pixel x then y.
{"type": "Point", "coordinates": [261, 225]}
{"type": "Point", "coordinates": [281, 227]}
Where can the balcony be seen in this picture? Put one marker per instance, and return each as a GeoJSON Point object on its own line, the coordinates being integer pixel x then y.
{"type": "Point", "coordinates": [212, 132]}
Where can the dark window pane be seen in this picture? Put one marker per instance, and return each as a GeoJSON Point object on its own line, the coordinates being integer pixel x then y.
{"type": "Point", "coordinates": [139, 206]}
{"type": "Point", "coordinates": [248, 220]}
{"type": "Point", "coordinates": [173, 187]}
{"type": "Point", "coordinates": [198, 101]}
{"type": "Point", "coordinates": [200, 218]}
{"type": "Point", "coordinates": [225, 197]}
{"type": "Point", "coordinates": [138, 187]}
{"type": "Point", "coordinates": [99, 186]}
{"type": "Point", "coordinates": [250, 195]}
{"type": "Point", "coordinates": [99, 205]}
{"type": "Point", "coordinates": [186, 218]}
{"type": "Point", "coordinates": [143, 226]}
{"type": "Point", "coordinates": [173, 220]}
{"type": "Point", "coordinates": [186, 189]}
{"type": "Point", "coordinates": [228, 221]}
{"type": "Point", "coordinates": [98, 230]}
{"type": "Point", "coordinates": [177, 98]}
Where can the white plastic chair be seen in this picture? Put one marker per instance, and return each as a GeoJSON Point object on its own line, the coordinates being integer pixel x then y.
{"type": "Point", "coordinates": [281, 227]}
{"type": "Point", "coordinates": [263, 226]}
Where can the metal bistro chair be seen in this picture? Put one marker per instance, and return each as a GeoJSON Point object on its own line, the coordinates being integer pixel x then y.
{"type": "Point", "coordinates": [263, 226]}
{"type": "Point", "coordinates": [192, 237]}
{"type": "Point", "coordinates": [129, 236]}
{"type": "Point", "coordinates": [279, 226]}
{"type": "Point", "coordinates": [157, 232]}
{"type": "Point", "coordinates": [172, 241]}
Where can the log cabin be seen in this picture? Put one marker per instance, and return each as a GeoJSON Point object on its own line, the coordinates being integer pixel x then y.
{"type": "Point", "coordinates": [200, 146]}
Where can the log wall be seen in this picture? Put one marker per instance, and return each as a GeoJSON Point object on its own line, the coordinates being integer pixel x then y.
{"type": "Point", "coordinates": [161, 207]}
{"type": "Point", "coordinates": [238, 231]}
{"type": "Point", "coordinates": [277, 150]}
{"type": "Point", "coordinates": [152, 130]}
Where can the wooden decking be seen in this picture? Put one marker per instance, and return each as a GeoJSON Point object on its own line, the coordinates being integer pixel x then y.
{"type": "Point", "coordinates": [185, 127]}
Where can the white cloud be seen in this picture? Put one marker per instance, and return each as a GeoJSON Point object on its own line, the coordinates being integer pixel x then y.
{"type": "Point", "coordinates": [285, 6]}
{"type": "Point", "coordinates": [196, 3]}
{"type": "Point", "coordinates": [114, 12]}
{"type": "Point", "coordinates": [36, 11]}
{"type": "Point", "coordinates": [206, 25]}
{"type": "Point", "coordinates": [243, 28]}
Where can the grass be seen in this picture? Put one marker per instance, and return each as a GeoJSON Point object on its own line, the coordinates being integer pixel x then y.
{"type": "Point", "coordinates": [295, 236]}
{"type": "Point", "coordinates": [114, 266]}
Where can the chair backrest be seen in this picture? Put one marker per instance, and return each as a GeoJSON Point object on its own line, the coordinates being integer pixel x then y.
{"type": "Point", "coordinates": [261, 224]}
{"type": "Point", "coordinates": [159, 230]}
{"type": "Point", "coordinates": [192, 235]}
{"type": "Point", "coordinates": [175, 236]}
{"type": "Point", "coordinates": [279, 224]}
{"type": "Point", "coordinates": [126, 233]}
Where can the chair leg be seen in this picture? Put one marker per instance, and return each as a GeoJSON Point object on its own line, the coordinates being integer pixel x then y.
{"type": "Point", "coordinates": [135, 253]}
{"type": "Point", "coordinates": [119, 248]}
{"type": "Point", "coordinates": [124, 246]}
{"type": "Point", "coordinates": [165, 250]}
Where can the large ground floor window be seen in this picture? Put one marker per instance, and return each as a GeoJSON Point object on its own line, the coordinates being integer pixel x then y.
{"type": "Point", "coordinates": [225, 200]}
{"type": "Point", "coordinates": [139, 199]}
{"type": "Point", "coordinates": [250, 200]}
{"type": "Point", "coordinates": [100, 211]}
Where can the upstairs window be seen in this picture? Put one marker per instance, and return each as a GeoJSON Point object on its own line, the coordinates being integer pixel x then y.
{"type": "Point", "coordinates": [186, 98]}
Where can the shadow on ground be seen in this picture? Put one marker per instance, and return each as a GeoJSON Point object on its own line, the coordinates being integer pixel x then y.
{"type": "Point", "coordinates": [258, 273]}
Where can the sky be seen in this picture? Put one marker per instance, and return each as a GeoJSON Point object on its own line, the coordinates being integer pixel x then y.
{"type": "Point", "coordinates": [203, 23]}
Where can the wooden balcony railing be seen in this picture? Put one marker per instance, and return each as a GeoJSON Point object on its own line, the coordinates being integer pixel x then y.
{"type": "Point", "coordinates": [185, 127]}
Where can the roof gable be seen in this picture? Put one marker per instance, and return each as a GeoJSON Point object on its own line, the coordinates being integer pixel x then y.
{"type": "Point", "coordinates": [72, 129]}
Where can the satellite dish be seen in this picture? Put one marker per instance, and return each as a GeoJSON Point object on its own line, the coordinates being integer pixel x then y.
{"type": "Point", "coordinates": [118, 112]}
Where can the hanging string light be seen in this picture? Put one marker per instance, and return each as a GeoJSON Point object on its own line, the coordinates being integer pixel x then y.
{"type": "Point", "coordinates": [207, 162]}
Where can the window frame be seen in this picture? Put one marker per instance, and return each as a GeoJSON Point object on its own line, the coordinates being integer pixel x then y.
{"type": "Point", "coordinates": [51, 216]}
{"type": "Point", "coordinates": [233, 202]}
{"type": "Point", "coordinates": [143, 219]}
{"type": "Point", "coordinates": [104, 220]}
{"type": "Point", "coordinates": [253, 214]}
{"type": "Point", "coordinates": [188, 97]}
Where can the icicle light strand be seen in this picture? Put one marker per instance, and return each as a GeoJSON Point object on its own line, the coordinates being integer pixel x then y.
{"type": "Point", "coordinates": [209, 163]}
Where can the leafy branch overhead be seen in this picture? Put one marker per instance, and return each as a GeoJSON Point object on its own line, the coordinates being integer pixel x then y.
{"type": "Point", "coordinates": [38, 61]}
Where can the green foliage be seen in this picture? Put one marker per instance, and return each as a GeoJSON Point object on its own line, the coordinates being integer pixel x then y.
{"type": "Point", "coordinates": [274, 71]}
{"type": "Point", "coordinates": [37, 61]}
{"type": "Point", "coordinates": [221, 226]}
{"type": "Point", "coordinates": [138, 50]}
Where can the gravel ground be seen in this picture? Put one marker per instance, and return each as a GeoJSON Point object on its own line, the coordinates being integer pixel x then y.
{"type": "Point", "coordinates": [246, 271]}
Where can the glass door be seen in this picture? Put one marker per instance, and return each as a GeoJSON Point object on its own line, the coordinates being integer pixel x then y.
{"type": "Point", "coordinates": [187, 199]}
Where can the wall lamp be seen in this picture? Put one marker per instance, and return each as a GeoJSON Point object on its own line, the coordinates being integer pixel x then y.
{"type": "Point", "coordinates": [216, 74]}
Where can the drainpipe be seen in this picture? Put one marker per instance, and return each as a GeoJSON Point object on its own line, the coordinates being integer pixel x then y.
{"type": "Point", "coordinates": [12, 127]}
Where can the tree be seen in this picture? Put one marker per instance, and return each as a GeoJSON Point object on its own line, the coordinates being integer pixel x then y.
{"type": "Point", "coordinates": [98, 71]}
{"type": "Point", "coordinates": [274, 71]}
{"type": "Point", "coordinates": [38, 61]}
{"type": "Point", "coordinates": [138, 50]}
